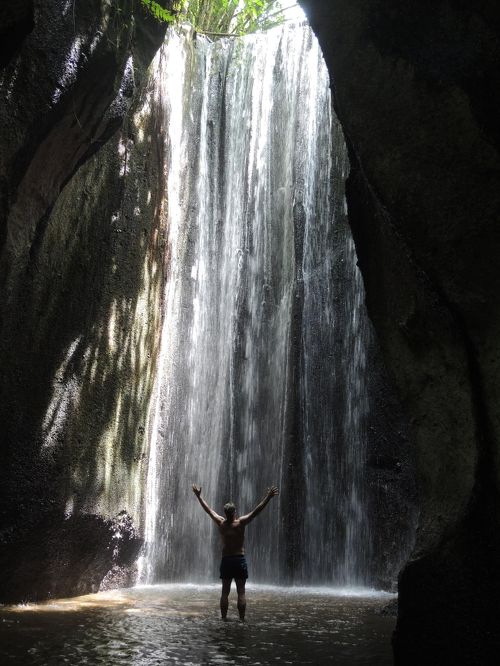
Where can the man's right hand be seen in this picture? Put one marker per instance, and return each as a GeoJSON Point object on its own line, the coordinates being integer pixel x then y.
{"type": "Point", "coordinates": [196, 490]}
{"type": "Point", "coordinates": [271, 492]}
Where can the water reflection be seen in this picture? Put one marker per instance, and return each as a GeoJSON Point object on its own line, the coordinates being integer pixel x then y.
{"type": "Point", "coordinates": [180, 625]}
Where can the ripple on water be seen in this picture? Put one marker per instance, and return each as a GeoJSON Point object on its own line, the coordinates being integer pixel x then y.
{"type": "Point", "coordinates": [147, 626]}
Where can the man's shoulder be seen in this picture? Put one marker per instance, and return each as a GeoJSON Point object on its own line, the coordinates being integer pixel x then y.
{"type": "Point", "coordinates": [234, 525]}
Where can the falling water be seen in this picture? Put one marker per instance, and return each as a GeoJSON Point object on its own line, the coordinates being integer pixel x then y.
{"type": "Point", "coordinates": [260, 377]}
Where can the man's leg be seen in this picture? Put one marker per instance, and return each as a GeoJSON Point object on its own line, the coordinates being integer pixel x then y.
{"type": "Point", "coordinates": [224, 598]}
{"type": "Point", "coordinates": [242, 602]}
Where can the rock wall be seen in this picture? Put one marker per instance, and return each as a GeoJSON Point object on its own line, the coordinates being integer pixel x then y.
{"type": "Point", "coordinates": [81, 268]}
{"type": "Point", "coordinates": [417, 90]}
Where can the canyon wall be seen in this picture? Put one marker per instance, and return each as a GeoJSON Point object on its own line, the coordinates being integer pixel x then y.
{"type": "Point", "coordinates": [81, 268]}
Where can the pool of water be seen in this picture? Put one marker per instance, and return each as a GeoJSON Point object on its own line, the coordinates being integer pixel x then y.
{"type": "Point", "coordinates": [173, 624]}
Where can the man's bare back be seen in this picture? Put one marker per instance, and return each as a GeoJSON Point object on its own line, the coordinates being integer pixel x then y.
{"type": "Point", "coordinates": [232, 531]}
{"type": "Point", "coordinates": [233, 537]}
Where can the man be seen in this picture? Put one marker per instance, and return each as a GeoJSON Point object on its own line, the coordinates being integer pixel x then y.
{"type": "Point", "coordinates": [232, 531]}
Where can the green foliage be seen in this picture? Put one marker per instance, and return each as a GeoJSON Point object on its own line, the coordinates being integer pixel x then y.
{"type": "Point", "coordinates": [158, 11]}
{"type": "Point", "coordinates": [221, 17]}
{"type": "Point", "coordinates": [258, 15]}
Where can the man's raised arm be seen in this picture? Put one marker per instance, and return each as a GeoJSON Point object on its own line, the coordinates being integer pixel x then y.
{"type": "Point", "coordinates": [271, 492]}
{"type": "Point", "coordinates": [214, 516]}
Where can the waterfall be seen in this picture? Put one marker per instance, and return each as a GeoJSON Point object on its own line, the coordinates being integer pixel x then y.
{"type": "Point", "coordinates": [260, 378]}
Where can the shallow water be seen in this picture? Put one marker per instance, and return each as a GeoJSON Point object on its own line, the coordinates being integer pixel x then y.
{"type": "Point", "coordinates": [180, 625]}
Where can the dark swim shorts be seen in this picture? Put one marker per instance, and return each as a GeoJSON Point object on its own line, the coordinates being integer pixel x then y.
{"type": "Point", "coordinates": [233, 566]}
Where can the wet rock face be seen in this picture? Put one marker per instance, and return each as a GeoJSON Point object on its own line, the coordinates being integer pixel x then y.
{"type": "Point", "coordinates": [417, 92]}
{"type": "Point", "coordinates": [68, 79]}
{"type": "Point", "coordinates": [80, 272]}
{"type": "Point", "coordinates": [60, 558]}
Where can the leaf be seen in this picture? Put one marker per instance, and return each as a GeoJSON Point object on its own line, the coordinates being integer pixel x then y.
{"type": "Point", "coordinates": [159, 12]}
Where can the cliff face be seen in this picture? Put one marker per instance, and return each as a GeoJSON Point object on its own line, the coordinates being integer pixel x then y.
{"type": "Point", "coordinates": [417, 90]}
{"type": "Point", "coordinates": [81, 272]}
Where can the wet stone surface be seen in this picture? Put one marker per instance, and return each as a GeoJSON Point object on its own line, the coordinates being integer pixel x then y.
{"type": "Point", "coordinates": [181, 625]}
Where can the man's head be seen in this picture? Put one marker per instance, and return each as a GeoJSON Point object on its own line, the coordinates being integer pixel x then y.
{"type": "Point", "coordinates": [230, 510]}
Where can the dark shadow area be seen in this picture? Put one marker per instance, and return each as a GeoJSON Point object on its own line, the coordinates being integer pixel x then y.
{"type": "Point", "coordinates": [17, 22]}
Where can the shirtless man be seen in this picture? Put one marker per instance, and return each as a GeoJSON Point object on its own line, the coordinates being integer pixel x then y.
{"type": "Point", "coordinates": [232, 531]}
